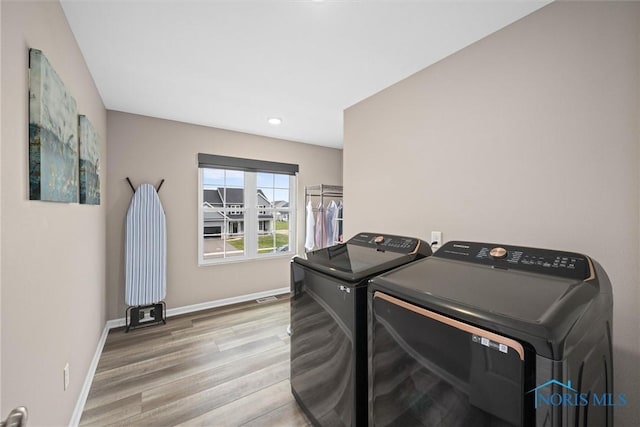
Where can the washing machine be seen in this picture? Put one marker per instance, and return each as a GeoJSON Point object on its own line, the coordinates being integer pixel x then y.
{"type": "Point", "coordinates": [329, 323]}
{"type": "Point", "coordinates": [484, 334]}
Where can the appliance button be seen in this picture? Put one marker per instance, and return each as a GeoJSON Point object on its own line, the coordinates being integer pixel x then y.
{"type": "Point", "coordinates": [498, 252]}
{"type": "Point", "coordinates": [379, 239]}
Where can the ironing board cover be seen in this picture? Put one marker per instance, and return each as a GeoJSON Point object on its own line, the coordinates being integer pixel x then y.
{"type": "Point", "coordinates": [145, 248]}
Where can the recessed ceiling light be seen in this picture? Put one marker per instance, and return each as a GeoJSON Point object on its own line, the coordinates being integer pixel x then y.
{"type": "Point", "coordinates": [274, 120]}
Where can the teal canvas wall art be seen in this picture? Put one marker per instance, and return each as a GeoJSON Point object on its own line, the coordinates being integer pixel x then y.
{"type": "Point", "coordinates": [89, 162]}
{"type": "Point", "coordinates": [53, 134]}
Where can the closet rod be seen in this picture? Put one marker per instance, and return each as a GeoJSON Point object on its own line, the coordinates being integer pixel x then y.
{"type": "Point", "coordinates": [325, 195]}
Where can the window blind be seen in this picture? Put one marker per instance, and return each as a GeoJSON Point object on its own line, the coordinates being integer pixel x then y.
{"type": "Point", "coordinates": [251, 165]}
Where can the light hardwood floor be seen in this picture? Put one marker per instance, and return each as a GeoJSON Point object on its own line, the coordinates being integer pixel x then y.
{"type": "Point", "coordinates": [227, 366]}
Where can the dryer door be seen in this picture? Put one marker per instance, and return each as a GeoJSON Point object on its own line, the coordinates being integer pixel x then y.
{"type": "Point", "coordinates": [426, 369]}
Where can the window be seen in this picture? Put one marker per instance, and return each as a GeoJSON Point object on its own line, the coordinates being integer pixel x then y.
{"type": "Point", "coordinates": [274, 206]}
{"type": "Point", "coordinates": [246, 209]}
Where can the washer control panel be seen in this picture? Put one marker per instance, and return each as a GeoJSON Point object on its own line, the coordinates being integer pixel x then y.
{"type": "Point", "coordinates": [385, 242]}
{"type": "Point", "coordinates": [545, 261]}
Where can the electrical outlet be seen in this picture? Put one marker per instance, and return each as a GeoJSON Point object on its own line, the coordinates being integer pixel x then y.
{"type": "Point", "coordinates": [436, 239]}
{"type": "Point", "coordinates": [66, 376]}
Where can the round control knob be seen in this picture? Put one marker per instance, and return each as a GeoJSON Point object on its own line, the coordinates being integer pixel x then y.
{"type": "Point", "coordinates": [498, 252]}
{"type": "Point", "coordinates": [379, 239]}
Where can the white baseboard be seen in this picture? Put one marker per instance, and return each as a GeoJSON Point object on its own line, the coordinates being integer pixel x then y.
{"type": "Point", "coordinates": [86, 386]}
{"type": "Point", "coordinates": [116, 323]}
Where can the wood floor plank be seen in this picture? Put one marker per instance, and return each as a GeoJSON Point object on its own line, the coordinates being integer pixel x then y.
{"type": "Point", "coordinates": [145, 353]}
{"type": "Point", "coordinates": [200, 381]}
{"type": "Point", "coordinates": [287, 415]}
{"type": "Point", "coordinates": [106, 389]}
{"type": "Point", "coordinates": [118, 337]}
{"type": "Point", "coordinates": [122, 408]}
{"type": "Point", "coordinates": [153, 363]}
{"type": "Point", "coordinates": [228, 363]}
{"type": "Point", "coordinates": [244, 409]}
{"type": "Point", "coordinates": [227, 322]}
{"type": "Point", "coordinates": [243, 336]}
{"type": "Point", "coordinates": [181, 410]}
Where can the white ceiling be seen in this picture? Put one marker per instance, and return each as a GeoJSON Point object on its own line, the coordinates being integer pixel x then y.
{"type": "Point", "coordinates": [231, 64]}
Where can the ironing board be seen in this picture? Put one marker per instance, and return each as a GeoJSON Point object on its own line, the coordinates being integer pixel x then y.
{"type": "Point", "coordinates": [145, 249]}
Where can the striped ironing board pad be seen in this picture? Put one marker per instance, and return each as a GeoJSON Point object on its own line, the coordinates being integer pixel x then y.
{"type": "Point", "coordinates": [145, 248]}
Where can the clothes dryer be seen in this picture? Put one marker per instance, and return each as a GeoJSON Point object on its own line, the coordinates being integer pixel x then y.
{"type": "Point", "coordinates": [329, 323]}
{"type": "Point", "coordinates": [483, 334]}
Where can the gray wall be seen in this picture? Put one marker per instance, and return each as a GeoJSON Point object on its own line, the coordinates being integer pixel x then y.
{"type": "Point", "coordinates": [148, 150]}
{"type": "Point", "coordinates": [529, 136]}
{"type": "Point", "coordinates": [53, 254]}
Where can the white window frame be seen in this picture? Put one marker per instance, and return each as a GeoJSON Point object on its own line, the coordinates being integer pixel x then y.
{"type": "Point", "coordinates": [251, 222]}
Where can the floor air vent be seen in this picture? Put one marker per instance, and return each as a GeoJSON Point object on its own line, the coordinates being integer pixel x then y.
{"type": "Point", "coordinates": [266, 299]}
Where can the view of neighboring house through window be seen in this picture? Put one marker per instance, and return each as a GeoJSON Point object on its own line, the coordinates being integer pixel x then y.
{"type": "Point", "coordinates": [273, 212]}
{"type": "Point", "coordinates": [222, 213]}
{"type": "Point", "coordinates": [245, 214]}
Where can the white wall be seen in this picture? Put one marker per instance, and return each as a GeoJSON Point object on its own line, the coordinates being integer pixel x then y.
{"type": "Point", "coordinates": [529, 136]}
{"type": "Point", "coordinates": [147, 150]}
{"type": "Point", "coordinates": [53, 254]}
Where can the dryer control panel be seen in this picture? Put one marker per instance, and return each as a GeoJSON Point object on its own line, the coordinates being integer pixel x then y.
{"type": "Point", "coordinates": [386, 242]}
{"type": "Point", "coordinates": [545, 261]}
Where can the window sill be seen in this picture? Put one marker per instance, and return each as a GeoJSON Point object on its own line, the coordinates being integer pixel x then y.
{"type": "Point", "coordinates": [224, 261]}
